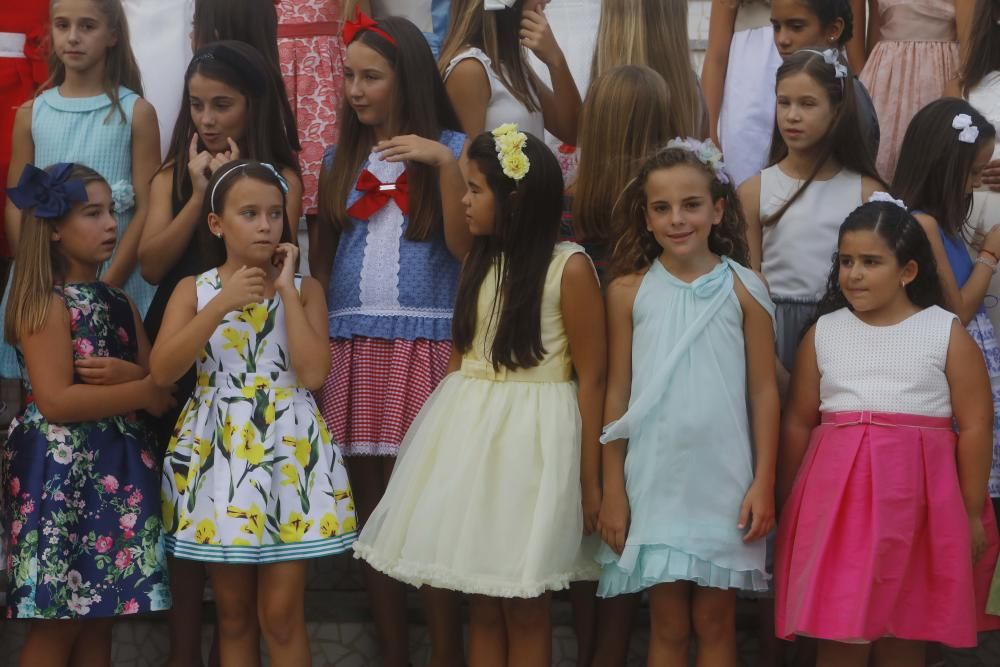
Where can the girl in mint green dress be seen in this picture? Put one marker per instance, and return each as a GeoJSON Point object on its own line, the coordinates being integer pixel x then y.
{"type": "Point", "coordinates": [692, 403]}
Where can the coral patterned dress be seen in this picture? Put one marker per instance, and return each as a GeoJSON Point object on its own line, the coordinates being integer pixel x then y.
{"type": "Point", "coordinates": [312, 54]}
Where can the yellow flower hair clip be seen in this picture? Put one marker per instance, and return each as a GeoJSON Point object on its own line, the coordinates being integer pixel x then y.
{"type": "Point", "coordinates": [510, 143]}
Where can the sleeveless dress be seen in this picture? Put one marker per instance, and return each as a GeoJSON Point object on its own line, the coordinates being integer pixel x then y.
{"type": "Point", "coordinates": [312, 54]}
{"type": "Point", "coordinates": [82, 513]}
{"type": "Point", "coordinates": [503, 106]}
{"type": "Point", "coordinates": [875, 531]}
{"type": "Point", "coordinates": [746, 120]}
{"type": "Point", "coordinates": [485, 497]}
{"type": "Point", "coordinates": [797, 251]}
{"type": "Point", "coordinates": [390, 302]}
{"type": "Point", "coordinates": [251, 475]}
{"type": "Point", "coordinates": [689, 461]}
{"type": "Point", "coordinates": [916, 55]}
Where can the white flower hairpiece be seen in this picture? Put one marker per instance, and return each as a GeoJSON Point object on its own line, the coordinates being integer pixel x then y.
{"type": "Point", "coordinates": [707, 154]}
{"type": "Point", "coordinates": [833, 58]}
{"type": "Point", "coordinates": [888, 198]}
{"type": "Point", "coordinates": [969, 132]}
{"type": "Point", "coordinates": [509, 144]}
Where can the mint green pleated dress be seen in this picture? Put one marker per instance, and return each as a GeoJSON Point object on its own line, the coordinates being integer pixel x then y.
{"type": "Point", "coordinates": [689, 461]}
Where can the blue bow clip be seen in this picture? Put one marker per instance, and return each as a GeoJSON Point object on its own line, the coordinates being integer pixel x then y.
{"type": "Point", "coordinates": [50, 193]}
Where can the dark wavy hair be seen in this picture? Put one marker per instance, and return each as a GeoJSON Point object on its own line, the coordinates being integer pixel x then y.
{"type": "Point", "coordinates": [934, 166]}
{"type": "Point", "coordinates": [527, 216]}
{"type": "Point", "coordinates": [908, 242]}
{"type": "Point", "coordinates": [637, 248]}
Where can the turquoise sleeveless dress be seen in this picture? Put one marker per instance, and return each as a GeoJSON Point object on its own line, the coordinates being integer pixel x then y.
{"type": "Point", "coordinates": [689, 461]}
{"type": "Point", "coordinates": [86, 131]}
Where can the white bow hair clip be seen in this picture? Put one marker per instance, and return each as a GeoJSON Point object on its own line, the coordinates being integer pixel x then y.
{"type": "Point", "coordinates": [833, 58]}
{"type": "Point", "coordinates": [969, 132]}
{"type": "Point", "coordinates": [887, 198]}
{"type": "Point", "coordinates": [497, 5]}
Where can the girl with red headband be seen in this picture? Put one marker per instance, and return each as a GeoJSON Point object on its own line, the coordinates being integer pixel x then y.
{"type": "Point", "coordinates": [393, 232]}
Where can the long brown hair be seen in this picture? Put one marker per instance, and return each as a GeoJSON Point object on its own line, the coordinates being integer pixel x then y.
{"type": "Point", "coordinates": [497, 34]}
{"type": "Point", "coordinates": [654, 34]}
{"type": "Point", "coordinates": [983, 53]}
{"type": "Point", "coordinates": [637, 248]}
{"type": "Point", "coordinates": [38, 267]}
{"type": "Point", "coordinates": [120, 67]}
{"type": "Point", "coordinates": [843, 142]}
{"type": "Point", "coordinates": [526, 229]}
{"type": "Point", "coordinates": [612, 143]}
{"type": "Point", "coordinates": [420, 106]}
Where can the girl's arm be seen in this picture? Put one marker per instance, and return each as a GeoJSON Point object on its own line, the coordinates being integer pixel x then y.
{"type": "Point", "coordinates": [457, 236]}
{"type": "Point", "coordinates": [856, 55]}
{"type": "Point", "coordinates": [765, 414]}
{"type": "Point", "coordinates": [749, 194]}
{"type": "Point", "coordinates": [583, 315]}
{"type": "Point", "coordinates": [964, 301]}
{"type": "Point", "coordinates": [721, 25]}
{"type": "Point", "coordinates": [561, 105]}
{"type": "Point", "coordinates": [869, 186]}
{"type": "Point", "coordinates": [801, 415]}
{"type": "Point", "coordinates": [964, 10]}
{"type": "Point", "coordinates": [613, 521]}
{"type": "Point", "coordinates": [22, 152]}
{"type": "Point", "coordinates": [972, 405]}
{"type": "Point", "coordinates": [293, 203]}
{"type": "Point", "coordinates": [874, 27]}
{"type": "Point", "coordinates": [468, 88]}
{"type": "Point", "coordinates": [145, 162]}
{"type": "Point", "coordinates": [185, 329]}
{"type": "Point", "coordinates": [112, 370]}
{"type": "Point", "coordinates": [305, 321]}
{"type": "Point", "coordinates": [48, 355]}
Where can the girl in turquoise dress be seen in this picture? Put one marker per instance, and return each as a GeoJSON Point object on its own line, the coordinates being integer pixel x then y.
{"type": "Point", "coordinates": [693, 407]}
{"type": "Point", "coordinates": [81, 478]}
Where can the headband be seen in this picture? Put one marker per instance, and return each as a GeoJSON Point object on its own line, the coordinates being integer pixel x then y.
{"type": "Point", "coordinates": [362, 23]}
{"type": "Point", "coordinates": [832, 58]}
{"type": "Point", "coordinates": [509, 144]}
{"type": "Point", "coordinates": [968, 132]}
{"type": "Point", "coordinates": [251, 76]}
{"type": "Point", "coordinates": [50, 193]}
{"type": "Point", "coordinates": [887, 198]}
{"type": "Point", "coordinates": [282, 183]}
{"type": "Point", "coordinates": [707, 154]}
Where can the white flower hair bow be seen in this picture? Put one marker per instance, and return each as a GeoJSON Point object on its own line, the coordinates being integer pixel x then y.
{"type": "Point", "coordinates": [833, 58]}
{"type": "Point", "coordinates": [969, 132]}
{"type": "Point", "coordinates": [706, 152]}
{"type": "Point", "coordinates": [497, 5]}
{"type": "Point", "coordinates": [888, 198]}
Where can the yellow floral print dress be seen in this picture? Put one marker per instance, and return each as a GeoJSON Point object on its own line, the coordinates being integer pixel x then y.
{"type": "Point", "coordinates": [251, 475]}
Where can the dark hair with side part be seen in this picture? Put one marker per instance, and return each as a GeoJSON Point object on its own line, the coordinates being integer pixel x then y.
{"type": "Point", "coordinates": [527, 216]}
{"type": "Point", "coordinates": [907, 241]}
{"type": "Point", "coordinates": [934, 165]}
{"type": "Point", "coordinates": [420, 106]}
{"type": "Point", "coordinates": [844, 142]}
{"type": "Point", "coordinates": [213, 249]}
{"type": "Point", "coordinates": [828, 11]}
{"type": "Point", "coordinates": [983, 53]}
{"type": "Point", "coordinates": [240, 66]}
{"type": "Point", "coordinates": [637, 248]}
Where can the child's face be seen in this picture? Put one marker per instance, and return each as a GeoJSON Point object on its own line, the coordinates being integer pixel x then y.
{"type": "Point", "coordinates": [679, 210]}
{"type": "Point", "coordinates": [251, 221]}
{"type": "Point", "coordinates": [81, 35]}
{"type": "Point", "coordinates": [480, 211]}
{"type": "Point", "coordinates": [89, 233]}
{"type": "Point", "coordinates": [804, 112]}
{"type": "Point", "coordinates": [870, 277]}
{"type": "Point", "coordinates": [984, 154]}
{"type": "Point", "coordinates": [796, 27]}
{"type": "Point", "coordinates": [369, 82]}
{"type": "Point", "coordinates": [218, 111]}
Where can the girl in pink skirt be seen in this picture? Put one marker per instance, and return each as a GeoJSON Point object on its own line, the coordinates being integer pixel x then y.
{"type": "Point", "coordinates": [887, 515]}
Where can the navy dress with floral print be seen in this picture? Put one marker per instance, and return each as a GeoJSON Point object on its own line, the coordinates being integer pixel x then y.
{"type": "Point", "coordinates": [82, 502]}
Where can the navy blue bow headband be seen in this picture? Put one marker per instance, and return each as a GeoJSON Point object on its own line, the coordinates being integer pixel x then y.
{"type": "Point", "coordinates": [50, 193]}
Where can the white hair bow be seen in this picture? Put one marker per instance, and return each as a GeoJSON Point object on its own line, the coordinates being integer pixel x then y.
{"type": "Point", "coordinates": [969, 132]}
{"type": "Point", "coordinates": [888, 198]}
{"type": "Point", "coordinates": [833, 58]}
{"type": "Point", "coordinates": [496, 5]}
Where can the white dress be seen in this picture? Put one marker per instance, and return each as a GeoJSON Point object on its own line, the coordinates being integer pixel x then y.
{"type": "Point", "coordinates": [746, 120]}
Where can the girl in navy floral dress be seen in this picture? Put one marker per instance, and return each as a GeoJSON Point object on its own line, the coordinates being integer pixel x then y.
{"type": "Point", "coordinates": [82, 483]}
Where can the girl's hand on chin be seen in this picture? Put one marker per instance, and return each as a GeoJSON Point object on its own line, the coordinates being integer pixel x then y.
{"type": "Point", "coordinates": [410, 147]}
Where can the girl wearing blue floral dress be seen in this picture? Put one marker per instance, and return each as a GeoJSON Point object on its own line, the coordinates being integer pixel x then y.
{"type": "Point", "coordinates": [82, 511]}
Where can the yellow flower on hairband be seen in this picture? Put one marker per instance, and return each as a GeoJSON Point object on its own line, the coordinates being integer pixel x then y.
{"type": "Point", "coordinates": [506, 128]}
{"type": "Point", "coordinates": [509, 144]}
{"type": "Point", "coordinates": [513, 141]}
{"type": "Point", "coordinates": [515, 165]}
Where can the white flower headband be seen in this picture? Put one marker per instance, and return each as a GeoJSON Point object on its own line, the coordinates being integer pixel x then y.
{"type": "Point", "coordinates": [707, 154]}
{"type": "Point", "coordinates": [968, 130]}
{"type": "Point", "coordinates": [509, 143]}
{"type": "Point", "coordinates": [887, 198]}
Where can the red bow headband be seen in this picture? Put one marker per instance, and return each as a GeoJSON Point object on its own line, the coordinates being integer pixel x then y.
{"type": "Point", "coordinates": [361, 23]}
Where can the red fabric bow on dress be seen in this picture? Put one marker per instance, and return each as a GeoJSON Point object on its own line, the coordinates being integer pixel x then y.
{"type": "Point", "coordinates": [376, 194]}
{"type": "Point", "coordinates": [362, 23]}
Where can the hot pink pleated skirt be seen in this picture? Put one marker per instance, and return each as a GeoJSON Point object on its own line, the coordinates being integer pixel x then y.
{"type": "Point", "coordinates": [874, 541]}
